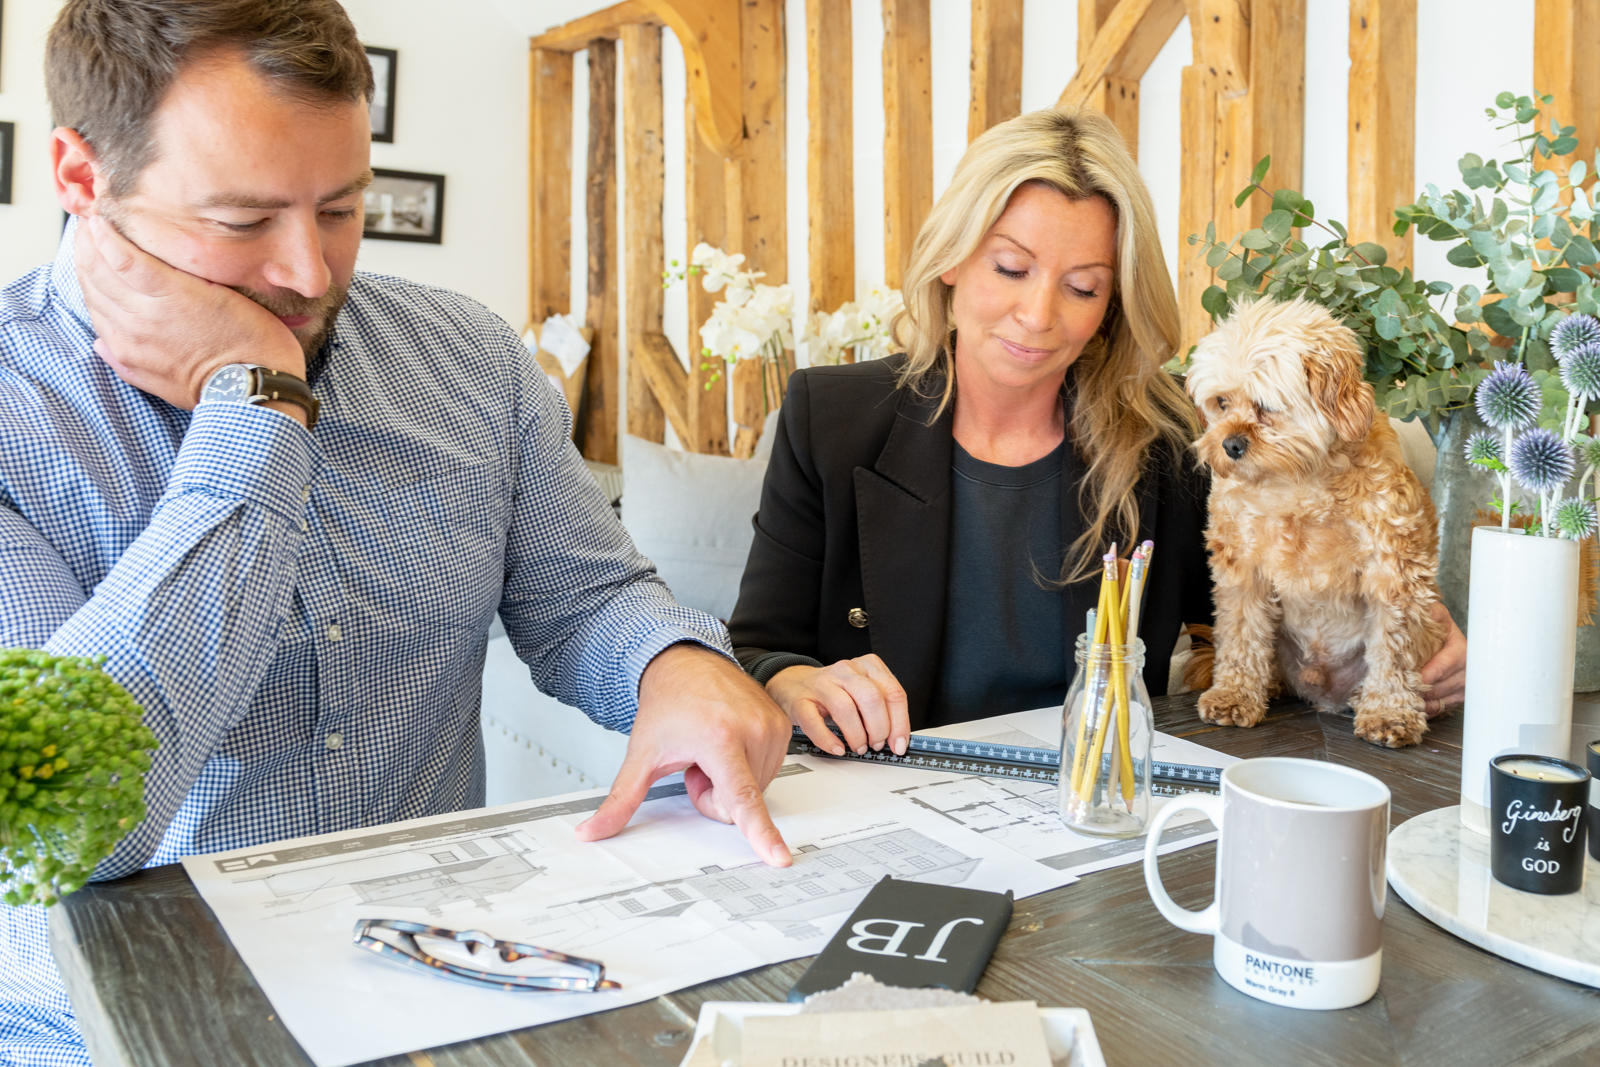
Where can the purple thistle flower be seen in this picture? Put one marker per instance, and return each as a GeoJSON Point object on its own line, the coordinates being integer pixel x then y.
{"type": "Point", "coordinates": [1509, 399]}
{"type": "Point", "coordinates": [1540, 462]}
{"type": "Point", "coordinates": [1580, 371]}
{"type": "Point", "coordinates": [1572, 333]}
{"type": "Point", "coordinates": [1575, 518]}
{"type": "Point", "coordinates": [1483, 448]}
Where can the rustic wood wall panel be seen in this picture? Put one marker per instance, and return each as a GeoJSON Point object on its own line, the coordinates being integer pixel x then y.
{"type": "Point", "coordinates": [645, 164]}
{"type": "Point", "coordinates": [1566, 36]}
{"type": "Point", "coordinates": [1383, 102]}
{"type": "Point", "coordinates": [996, 93]}
{"type": "Point", "coordinates": [1268, 120]}
{"type": "Point", "coordinates": [907, 131]}
{"type": "Point", "coordinates": [758, 223]}
{"type": "Point", "coordinates": [830, 149]}
{"type": "Point", "coordinates": [1196, 196]}
{"type": "Point", "coordinates": [706, 404]}
{"type": "Point", "coordinates": [550, 184]}
{"type": "Point", "coordinates": [598, 438]}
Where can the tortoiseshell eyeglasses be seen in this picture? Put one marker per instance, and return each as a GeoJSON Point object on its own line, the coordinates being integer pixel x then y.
{"type": "Point", "coordinates": [397, 939]}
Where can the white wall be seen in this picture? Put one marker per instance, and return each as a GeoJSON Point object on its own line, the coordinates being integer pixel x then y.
{"type": "Point", "coordinates": [461, 111]}
{"type": "Point", "coordinates": [30, 226]}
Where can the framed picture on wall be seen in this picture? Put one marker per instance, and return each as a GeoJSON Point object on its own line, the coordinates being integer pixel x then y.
{"type": "Point", "coordinates": [8, 143]}
{"type": "Point", "coordinates": [384, 62]}
{"type": "Point", "coordinates": [405, 206]}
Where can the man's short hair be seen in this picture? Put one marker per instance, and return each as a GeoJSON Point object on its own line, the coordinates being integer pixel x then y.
{"type": "Point", "coordinates": [109, 63]}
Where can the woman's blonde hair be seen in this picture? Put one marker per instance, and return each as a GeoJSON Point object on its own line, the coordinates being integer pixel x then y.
{"type": "Point", "coordinates": [1124, 401]}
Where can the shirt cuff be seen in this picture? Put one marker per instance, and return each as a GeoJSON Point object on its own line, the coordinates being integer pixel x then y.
{"type": "Point", "coordinates": [245, 452]}
{"type": "Point", "coordinates": [768, 664]}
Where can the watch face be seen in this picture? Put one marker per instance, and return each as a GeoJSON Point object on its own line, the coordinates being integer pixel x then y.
{"type": "Point", "coordinates": [230, 385]}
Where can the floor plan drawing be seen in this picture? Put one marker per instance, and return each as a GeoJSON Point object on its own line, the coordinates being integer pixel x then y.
{"type": "Point", "coordinates": [788, 898]}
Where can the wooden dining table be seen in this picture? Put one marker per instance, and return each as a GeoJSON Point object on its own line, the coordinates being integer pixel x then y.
{"type": "Point", "coordinates": [155, 980]}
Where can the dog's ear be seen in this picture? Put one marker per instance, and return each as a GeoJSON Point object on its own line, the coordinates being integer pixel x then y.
{"type": "Point", "coordinates": [1333, 373]}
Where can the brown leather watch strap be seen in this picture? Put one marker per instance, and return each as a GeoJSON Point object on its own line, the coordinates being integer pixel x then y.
{"type": "Point", "coordinates": [276, 385]}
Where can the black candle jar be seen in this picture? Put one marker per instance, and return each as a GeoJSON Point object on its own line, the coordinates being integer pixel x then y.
{"type": "Point", "coordinates": [1594, 795]}
{"type": "Point", "coordinates": [1537, 823]}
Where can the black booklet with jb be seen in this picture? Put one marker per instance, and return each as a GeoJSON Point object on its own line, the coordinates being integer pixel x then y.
{"type": "Point", "coordinates": [913, 935]}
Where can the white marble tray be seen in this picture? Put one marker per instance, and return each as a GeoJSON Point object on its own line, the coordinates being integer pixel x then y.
{"type": "Point", "coordinates": [1441, 868]}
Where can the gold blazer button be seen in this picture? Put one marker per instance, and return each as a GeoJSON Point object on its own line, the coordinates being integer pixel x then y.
{"type": "Point", "coordinates": [857, 618]}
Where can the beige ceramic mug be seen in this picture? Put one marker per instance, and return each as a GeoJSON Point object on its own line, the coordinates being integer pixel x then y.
{"type": "Point", "coordinates": [1298, 914]}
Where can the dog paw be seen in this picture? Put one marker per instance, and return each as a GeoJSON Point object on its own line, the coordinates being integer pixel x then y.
{"type": "Point", "coordinates": [1230, 707]}
{"type": "Point", "coordinates": [1392, 725]}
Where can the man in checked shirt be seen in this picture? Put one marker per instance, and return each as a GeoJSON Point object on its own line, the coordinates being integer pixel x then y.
{"type": "Point", "coordinates": [298, 591]}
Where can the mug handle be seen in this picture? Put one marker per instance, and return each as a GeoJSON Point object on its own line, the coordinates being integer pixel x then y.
{"type": "Point", "coordinates": [1196, 922]}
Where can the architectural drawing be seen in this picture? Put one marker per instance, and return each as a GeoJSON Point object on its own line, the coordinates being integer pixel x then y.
{"type": "Point", "coordinates": [437, 873]}
{"type": "Point", "coordinates": [788, 898]}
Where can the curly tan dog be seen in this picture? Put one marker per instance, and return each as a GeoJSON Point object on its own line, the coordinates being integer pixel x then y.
{"type": "Point", "coordinates": [1323, 543]}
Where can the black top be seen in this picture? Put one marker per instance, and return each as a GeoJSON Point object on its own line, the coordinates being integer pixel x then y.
{"type": "Point", "coordinates": [855, 528]}
{"type": "Point", "coordinates": [1003, 648]}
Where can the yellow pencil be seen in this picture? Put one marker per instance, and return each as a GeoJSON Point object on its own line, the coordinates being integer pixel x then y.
{"type": "Point", "coordinates": [1113, 640]}
{"type": "Point", "coordinates": [1096, 639]}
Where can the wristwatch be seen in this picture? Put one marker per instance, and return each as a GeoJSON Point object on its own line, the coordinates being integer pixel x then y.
{"type": "Point", "coordinates": [250, 383]}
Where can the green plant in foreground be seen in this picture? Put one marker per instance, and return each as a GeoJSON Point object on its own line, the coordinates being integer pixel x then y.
{"type": "Point", "coordinates": [73, 754]}
{"type": "Point", "coordinates": [1419, 365]}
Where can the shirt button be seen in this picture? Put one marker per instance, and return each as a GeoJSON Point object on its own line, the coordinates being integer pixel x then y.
{"type": "Point", "coordinates": [857, 618]}
{"type": "Point", "coordinates": [305, 494]}
{"type": "Point", "coordinates": [334, 633]}
{"type": "Point", "coordinates": [333, 741]}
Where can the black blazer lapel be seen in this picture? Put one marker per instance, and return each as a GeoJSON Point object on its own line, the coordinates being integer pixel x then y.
{"type": "Point", "coordinates": [903, 522]}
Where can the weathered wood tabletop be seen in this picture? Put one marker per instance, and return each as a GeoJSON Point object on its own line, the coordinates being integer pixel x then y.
{"type": "Point", "coordinates": [156, 981]}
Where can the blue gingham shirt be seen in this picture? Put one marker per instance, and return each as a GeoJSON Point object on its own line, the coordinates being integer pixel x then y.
{"type": "Point", "coordinates": [303, 617]}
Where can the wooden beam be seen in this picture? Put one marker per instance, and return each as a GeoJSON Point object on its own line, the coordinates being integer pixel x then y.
{"type": "Point", "coordinates": [706, 405]}
{"type": "Point", "coordinates": [907, 131]}
{"type": "Point", "coordinates": [1383, 101]}
{"type": "Point", "coordinates": [645, 164]}
{"type": "Point", "coordinates": [1268, 120]}
{"type": "Point", "coordinates": [1221, 34]}
{"type": "Point", "coordinates": [1125, 46]}
{"type": "Point", "coordinates": [708, 30]}
{"type": "Point", "coordinates": [599, 418]}
{"type": "Point", "coordinates": [1565, 33]}
{"type": "Point", "coordinates": [758, 222]}
{"type": "Point", "coordinates": [1197, 132]}
{"type": "Point", "coordinates": [550, 184]}
{"type": "Point", "coordinates": [659, 365]}
{"type": "Point", "coordinates": [607, 25]}
{"type": "Point", "coordinates": [1092, 14]}
{"type": "Point", "coordinates": [830, 150]}
{"type": "Point", "coordinates": [996, 92]}
{"type": "Point", "coordinates": [1116, 96]}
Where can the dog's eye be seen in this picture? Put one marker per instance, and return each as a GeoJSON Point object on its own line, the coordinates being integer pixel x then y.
{"type": "Point", "coordinates": [1222, 403]}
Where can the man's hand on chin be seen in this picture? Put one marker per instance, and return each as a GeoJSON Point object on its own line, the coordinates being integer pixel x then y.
{"type": "Point", "coordinates": [166, 331]}
{"type": "Point", "coordinates": [700, 714]}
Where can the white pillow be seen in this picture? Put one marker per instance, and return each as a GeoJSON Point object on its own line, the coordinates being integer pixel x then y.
{"type": "Point", "coordinates": [691, 514]}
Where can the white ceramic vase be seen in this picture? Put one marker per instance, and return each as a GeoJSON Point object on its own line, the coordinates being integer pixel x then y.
{"type": "Point", "coordinates": [1523, 605]}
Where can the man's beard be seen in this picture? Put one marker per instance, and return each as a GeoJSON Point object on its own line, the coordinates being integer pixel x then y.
{"type": "Point", "coordinates": [322, 310]}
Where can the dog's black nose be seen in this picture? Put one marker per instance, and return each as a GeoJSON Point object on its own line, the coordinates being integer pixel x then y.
{"type": "Point", "coordinates": [1236, 446]}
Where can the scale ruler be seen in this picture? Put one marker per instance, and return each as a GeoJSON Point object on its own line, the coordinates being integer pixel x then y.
{"type": "Point", "coordinates": [1007, 761]}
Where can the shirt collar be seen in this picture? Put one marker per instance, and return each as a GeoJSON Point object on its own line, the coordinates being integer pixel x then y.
{"type": "Point", "coordinates": [64, 276]}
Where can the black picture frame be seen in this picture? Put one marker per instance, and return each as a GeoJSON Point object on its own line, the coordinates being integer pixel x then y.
{"type": "Point", "coordinates": [415, 211]}
{"type": "Point", "coordinates": [8, 145]}
{"type": "Point", "coordinates": [385, 62]}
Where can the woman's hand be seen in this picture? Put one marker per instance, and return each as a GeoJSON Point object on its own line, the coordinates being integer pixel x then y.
{"type": "Point", "coordinates": [860, 695]}
{"type": "Point", "coordinates": [1446, 672]}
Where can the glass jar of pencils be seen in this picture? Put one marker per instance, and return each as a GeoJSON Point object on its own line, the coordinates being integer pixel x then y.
{"type": "Point", "coordinates": [1107, 731]}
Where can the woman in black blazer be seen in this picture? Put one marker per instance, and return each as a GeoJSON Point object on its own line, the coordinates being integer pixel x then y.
{"type": "Point", "coordinates": [931, 524]}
